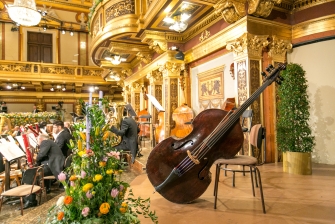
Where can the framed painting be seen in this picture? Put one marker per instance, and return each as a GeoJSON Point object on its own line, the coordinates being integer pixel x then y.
{"type": "Point", "coordinates": [211, 84]}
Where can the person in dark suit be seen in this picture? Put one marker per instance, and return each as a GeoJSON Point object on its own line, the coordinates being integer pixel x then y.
{"type": "Point", "coordinates": [52, 159]}
{"type": "Point", "coordinates": [35, 110]}
{"type": "Point", "coordinates": [51, 156]}
{"type": "Point", "coordinates": [62, 137]}
{"type": "Point", "coordinates": [129, 132]}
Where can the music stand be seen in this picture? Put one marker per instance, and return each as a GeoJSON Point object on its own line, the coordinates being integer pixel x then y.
{"type": "Point", "coordinates": [147, 117]}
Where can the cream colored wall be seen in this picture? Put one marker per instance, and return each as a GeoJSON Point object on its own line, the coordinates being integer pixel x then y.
{"type": "Point", "coordinates": [69, 49]}
{"type": "Point", "coordinates": [11, 43]}
{"type": "Point", "coordinates": [318, 60]}
{"type": "Point", "coordinates": [229, 84]}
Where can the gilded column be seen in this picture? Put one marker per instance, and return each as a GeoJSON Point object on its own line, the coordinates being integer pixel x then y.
{"type": "Point", "coordinates": [171, 91]}
{"type": "Point", "coordinates": [155, 89]}
{"type": "Point", "coordinates": [277, 50]}
{"type": "Point", "coordinates": [135, 96]}
{"type": "Point", "coordinates": [247, 50]}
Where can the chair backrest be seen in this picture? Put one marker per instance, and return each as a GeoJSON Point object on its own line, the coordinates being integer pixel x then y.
{"type": "Point", "coordinates": [247, 120]}
{"type": "Point", "coordinates": [257, 134]}
{"type": "Point", "coordinates": [33, 176]}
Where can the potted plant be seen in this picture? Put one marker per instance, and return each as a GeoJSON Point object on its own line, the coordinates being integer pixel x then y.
{"type": "Point", "coordinates": [294, 136]}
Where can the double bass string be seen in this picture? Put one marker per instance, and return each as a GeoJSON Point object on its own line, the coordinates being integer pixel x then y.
{"type": "Point", "coordinates": [218, 132]}
{"type": "Point", "coordinates": [200, 151]}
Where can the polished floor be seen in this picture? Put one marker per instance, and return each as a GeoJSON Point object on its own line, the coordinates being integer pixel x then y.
{"type": "Point", "coordinates": [288, 199]}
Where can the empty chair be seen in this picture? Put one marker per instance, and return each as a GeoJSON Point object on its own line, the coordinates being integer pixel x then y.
{"type": "Point", "coordinates": [257, 134]}
{"type": "Point", "coordinates": [32, 183]}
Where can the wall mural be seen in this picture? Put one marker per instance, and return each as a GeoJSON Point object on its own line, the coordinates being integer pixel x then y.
{"type": "Point", "coordinates": [210, 88]}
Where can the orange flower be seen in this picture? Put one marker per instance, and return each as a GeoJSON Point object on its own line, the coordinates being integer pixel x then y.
{"type": "Point", "coordinates": [104, 208]}
{"type": "Point", "coordinates": [73, 178]}
{"type": "Point", "coordinates": [60, 216]}
{"type": "Point", "coordinates": [123, 210]}
{"type": "Point", "coordinates": [102, 163]}
{"type": "Point", "coordinates": [68, 200]}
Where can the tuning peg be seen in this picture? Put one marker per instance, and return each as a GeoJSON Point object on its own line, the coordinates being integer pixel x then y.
{"type": "Point", "coordinates": [269, 68]}
{"type": "Point", "coordinates": [263, 74]}
{"type": "Point", "coordinates": [281, 78]}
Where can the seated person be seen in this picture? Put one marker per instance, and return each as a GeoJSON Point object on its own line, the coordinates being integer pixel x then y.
{"type": "Point", "coordinates": [128, 131]}
{"type": "Point", "coordinates": [52, 159]}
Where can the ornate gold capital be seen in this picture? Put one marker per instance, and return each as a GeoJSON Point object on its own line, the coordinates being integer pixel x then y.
{"type": "Point", "coordinates": [279, 47]}
{"type": "Point", "coordinates": [248, 44]}
{"type": "Point", "coordinates": [159, 46]}
{"type": "Point", "coordinates": [155, 76]}
{"type": "Point", "coordinates": [144, 58]}
{"type": "Point", "coordinates": [136, 86]}
{"type": "Point", "coordinates": [171, 69]}
{"type": "Point", "coordinates": [261, 8]}
{"type": "Point", "coordinates": [230, 10]}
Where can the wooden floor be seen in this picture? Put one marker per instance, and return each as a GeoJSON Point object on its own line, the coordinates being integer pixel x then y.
{"type": "Point", "coordinates": [288, 199]}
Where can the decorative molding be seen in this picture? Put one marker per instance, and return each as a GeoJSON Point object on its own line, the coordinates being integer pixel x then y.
{"type": "Point", "coordinates": [204, 35]}
{"type": "Point", "coordinates": [242, 82]}
{"type": "Point", "coordinates": [119, 9]}
{"type": "Point", "coordinates": [155, 76]}
{"type": "Point", "coordinates": [158, 46]}
{"type": "Point", "coordinates": [248, 44]}
{"type": "Point", "coordinates": [279, 47]}
{"type": "Point", "coordinates": [261, 8]}
{"type": "Point", "coordinates": [230, 10]}
{"type": "Point", "coordinates": [145, 58]}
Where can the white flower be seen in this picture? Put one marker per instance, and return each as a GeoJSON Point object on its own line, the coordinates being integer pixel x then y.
{"type": "Point", "coordinates": [60, 201]}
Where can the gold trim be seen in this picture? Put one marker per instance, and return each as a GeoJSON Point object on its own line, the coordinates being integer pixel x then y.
{"type": "Point", "coordinates": [321, 24]}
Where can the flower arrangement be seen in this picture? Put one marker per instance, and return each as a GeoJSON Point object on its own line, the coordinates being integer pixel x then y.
{"type": "Point", "coordinates": [94, 192]}
{"type": "Point", "coordinates": [18, 119]}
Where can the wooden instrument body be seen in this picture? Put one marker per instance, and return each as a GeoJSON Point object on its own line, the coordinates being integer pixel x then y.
{"type": "Point", "coordinates": [144, 128]}
{"type": "Point", "coordinates": [170, 152]}
{"type": "Point", "coordinates": [160, 132]}
{"type": "Point", "coordinates": [181, 115]}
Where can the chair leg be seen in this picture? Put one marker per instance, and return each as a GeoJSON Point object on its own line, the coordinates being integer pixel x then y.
{"type": "Point", "coordinates": [216, 184]}
{"type": "Point", "coordinates": [1, 197]}
{"type": "Point", "coordinates": [21, 199]}
{"type": "Point", "coordinates": [260, 188]}
{"type": "Point", "coordinates": [233, 178]}
{"type": "Point", "coordinates": [252, 181]}
{"type": "Point", "coordinates": [225, 171]}
{"type": "Point", "coordinates": [256, 178]}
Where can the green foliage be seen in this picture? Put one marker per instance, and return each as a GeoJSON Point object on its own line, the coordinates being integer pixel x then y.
{"type": "Point", "coordinates": [293, 130]}
{"type": "Point", "coordinates": [94, 192]}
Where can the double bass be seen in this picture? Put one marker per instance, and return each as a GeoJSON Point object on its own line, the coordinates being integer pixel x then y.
{"type": "Point", "coordinates": [179, 168]}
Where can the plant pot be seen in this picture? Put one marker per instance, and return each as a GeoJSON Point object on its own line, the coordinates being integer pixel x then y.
{"type": "Point", "coordinates": [297, 163]}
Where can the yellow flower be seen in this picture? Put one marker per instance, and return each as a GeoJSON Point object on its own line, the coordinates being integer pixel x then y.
{"type": "Point", "coordinates": [102, 163]}
{"type": "Point", "coordinates": [81, 153]}
{"type": "Point", "coordinates": [104, 208]}
{"type": "Point", "coordinates": [97, 177]}
{"type": "Point", "coordinates": [87, 187]}
{"type": "Point", "coordinates": [110, 171]}
{"type": "Point", "coordinates": [124, 204]}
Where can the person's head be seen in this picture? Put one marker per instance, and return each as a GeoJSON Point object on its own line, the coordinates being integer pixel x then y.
{"type": "Point", "coordinates": [67, 124]}
{"type": "Point", "coordinates": [58, 126]}
{"type": "Point", "coordinates": [43, 124]}
{"type": "Point", "coordinates": [34, 107]}
{"type": "Point", "coordinates": [41, 138]}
